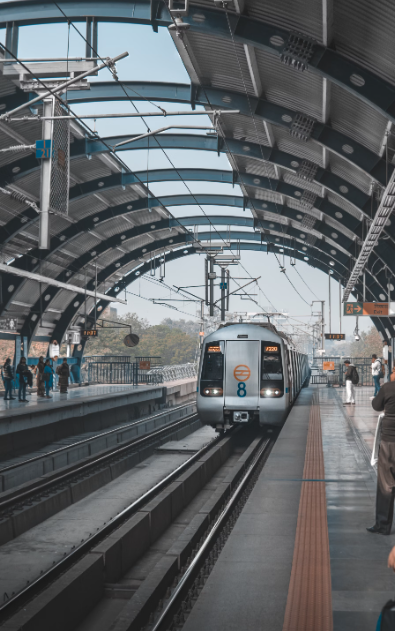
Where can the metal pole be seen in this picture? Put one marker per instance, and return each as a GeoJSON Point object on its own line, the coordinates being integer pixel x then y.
{"type": "Point", "coordinates": [364, 287]}
{"type": "Point", "coordinates": [330, 304]}
{"type": "Point", "coordinates": [227, 289]}
{"type": "Point", "coordinates": [340, 306]}
{"type": "Point", "coordinates": [323, 325]}
{"type": "Point", "coordinates": [206, 280]}
{"type": "Point", "coordinates": [46, 164]}
{"type": "Point", "coordinates": [95, 293]}
{"type": "Point", "coordinates": [223, 293]}
{"type": "Point", "coordinates": [201, 324]}
{"type": "Point", "coordinates": [211, 302]}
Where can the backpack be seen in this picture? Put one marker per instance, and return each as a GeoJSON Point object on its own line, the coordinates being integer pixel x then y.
{"type": "Point", "coordinates": [354, 377]}
{"type": "Point", "coordinates": [381, 373]}
{"type": "Point", "coordinates": [386, 620]}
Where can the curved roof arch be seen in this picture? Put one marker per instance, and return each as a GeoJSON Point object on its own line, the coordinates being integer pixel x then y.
{"type": "Point", "coordinates": [318, 255]}
{"type": "Point", "coordinates": [70, 312]}
{"type": "Point", "coordinates": [289, 161]}
{"type": "Point", "coordinates": [109, 224]}
{"type": "Point", "coordinates": [273, 38]}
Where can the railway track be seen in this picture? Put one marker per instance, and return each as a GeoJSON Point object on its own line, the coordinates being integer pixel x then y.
{"type": "Point", "coordinates": [87, 446]}
{"type": "Point", "coordinates": [90, 464]}
{"type": "Point", "coordinates": [175, 592]}
{"type": "Point", "coordinates": [155, 438]}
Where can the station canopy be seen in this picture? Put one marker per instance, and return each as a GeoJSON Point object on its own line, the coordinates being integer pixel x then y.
{"type": "Point", "coordinates": [311, 152]}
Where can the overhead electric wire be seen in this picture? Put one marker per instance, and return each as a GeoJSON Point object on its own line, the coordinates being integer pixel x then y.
{"type": "Point", "coordinates": [306, 283]}
{"type": "Point", "coordinates": [156, 140]}
{"type": "Point", "coordinates": [289, 280]}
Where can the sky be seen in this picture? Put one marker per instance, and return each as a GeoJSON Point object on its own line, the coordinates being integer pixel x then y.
{"type": "Point", "coordinates": [153, 56]}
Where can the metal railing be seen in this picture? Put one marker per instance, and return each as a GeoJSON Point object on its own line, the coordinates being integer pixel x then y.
{"type": "Point", "coordinates": [115, 372]}
{"type": "Point", "coordinates": [174, 373]}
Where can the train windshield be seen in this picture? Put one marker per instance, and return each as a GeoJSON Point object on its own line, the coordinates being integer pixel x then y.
{"type": "Point", "coordinates": [213, 362]}
{"type": "Point", "coordinates": [271, 361]}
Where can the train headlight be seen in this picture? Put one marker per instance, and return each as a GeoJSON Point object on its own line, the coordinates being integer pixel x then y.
{"type": "Point", "coordinates": [271, 392]}
{"type": "Point", "coordinates": [212, 391]}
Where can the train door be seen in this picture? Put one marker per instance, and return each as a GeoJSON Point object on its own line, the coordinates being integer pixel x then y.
{"type": "Point", "coordinates": [242, 375]}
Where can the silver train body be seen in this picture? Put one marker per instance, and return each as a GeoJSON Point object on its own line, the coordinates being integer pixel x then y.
{"type": "Point", "coordinates": [249, 372]}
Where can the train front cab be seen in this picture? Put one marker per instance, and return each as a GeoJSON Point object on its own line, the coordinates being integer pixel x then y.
{"type": "Point", "coordinates": [242, 381]}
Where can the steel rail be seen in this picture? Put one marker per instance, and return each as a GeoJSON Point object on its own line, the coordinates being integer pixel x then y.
{"type": "Point", "coordinates": [13, 604]}
{"type": "Point", "coordinates": [62, 477]}
{"type": "Point", "coordinates": [88, 440]}
{"type": "Point", "coordinates": [189, 576]}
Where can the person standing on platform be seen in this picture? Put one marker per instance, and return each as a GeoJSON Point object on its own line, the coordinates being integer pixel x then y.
{"type": "Point", "coordinates": [64, 373]}
{"type": "Point", "coordinates": [22, 370]}
{"type": "Point", "coordinates": [48, 378]}
{"type": "Point", "coordinates": [8, 375]}
{"type": "Point", "coordinates": [352, 379]}
{"type": "Point", "coordinates": [40, 377]}
{"type": "Point", "coordinates": [385, 402]}
{"type": "Point", "coordinates": [377, 374]}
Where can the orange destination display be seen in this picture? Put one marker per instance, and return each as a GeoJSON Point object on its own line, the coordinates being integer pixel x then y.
{"type": "Point", "coordinates": [328, 365]}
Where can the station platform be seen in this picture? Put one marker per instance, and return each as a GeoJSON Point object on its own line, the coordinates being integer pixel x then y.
{"type": "Point", "coordinates": [40, 421]}
{"type": "Point", "coordinates": [299, 557]}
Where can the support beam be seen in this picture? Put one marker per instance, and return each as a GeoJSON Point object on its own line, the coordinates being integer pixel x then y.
{"type": "Point", "coordinates": [376, 228]}
{"type": "Point", "coordinates": [55, 283]}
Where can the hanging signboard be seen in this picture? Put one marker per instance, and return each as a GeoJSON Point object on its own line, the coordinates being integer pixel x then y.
{"type": "Point", "coordinates": [328, 365]}
{"type": "Point", "coordinates": [372, 309]}
{"type": "Point", "coordinates": [54, 350]}
{"type": "Point", "coordinates": [335, 336]}
{"type": "Point", "coordinates": [8, 324]}
{"type": "Point", "coordinates": [89, 333]}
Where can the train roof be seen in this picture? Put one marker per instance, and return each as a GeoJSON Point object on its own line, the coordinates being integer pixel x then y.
{"type": "Point", "coordinates": [244, 327]}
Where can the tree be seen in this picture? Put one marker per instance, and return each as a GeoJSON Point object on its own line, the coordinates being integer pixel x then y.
{"type": "Point", "coordinates": [369, 344]}
{"type": "Point", "coordinates": [169, 341]}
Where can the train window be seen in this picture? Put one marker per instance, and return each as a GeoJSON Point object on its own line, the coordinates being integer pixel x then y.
{"type": "Point", "coordinates": [271, 362]}
{"type": "Point", "coordinates": [213, 363]}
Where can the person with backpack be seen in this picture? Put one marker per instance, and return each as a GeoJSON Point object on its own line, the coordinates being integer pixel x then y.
{"type": "Point", "coordinates": [385, 402]}
{"type": "Point", "coordinates": [22, 371]}
{"type": "Point", "coordinates": [8, 376]}
{"type": "Point", "coordinates": [352, 379]}
{"type": "Point", "coordinates": [377, 373]}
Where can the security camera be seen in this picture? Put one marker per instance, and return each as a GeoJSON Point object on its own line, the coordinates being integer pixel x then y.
{"type": "Point", "coordinates": [357, 338]}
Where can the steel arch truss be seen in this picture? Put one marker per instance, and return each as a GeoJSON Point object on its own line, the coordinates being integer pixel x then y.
{"type": "Point", "coordinates": [324, 61]}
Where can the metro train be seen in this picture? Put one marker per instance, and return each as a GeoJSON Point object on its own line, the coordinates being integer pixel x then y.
{"type": "Point", "coordinates": [249, 372]}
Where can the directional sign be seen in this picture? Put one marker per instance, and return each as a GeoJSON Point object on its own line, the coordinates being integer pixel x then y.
{"type": "Point", "coordinates": [353, 308]}
{"type": "Point", "coordinates": [375, 309]}
{"type": "Point", "coordinates": [335, 336]}
{"type": "Point", "coordinates": [372, 309]}
{"type": "Point", "coordinates": [43, 148]}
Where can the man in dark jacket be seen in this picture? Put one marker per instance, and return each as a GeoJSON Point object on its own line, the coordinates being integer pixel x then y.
{"type": "Point", "coordinates": [23, 371]}
{"type": "Point", "coordinates": [352, 378]}
{"type": "Point", "coordinates": [8, 375]}
{"type": "Point", "coordinates": [385, 402]}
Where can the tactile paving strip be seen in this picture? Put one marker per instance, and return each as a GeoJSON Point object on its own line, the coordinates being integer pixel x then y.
{"type": "Point", "coordinates": [309, 603]}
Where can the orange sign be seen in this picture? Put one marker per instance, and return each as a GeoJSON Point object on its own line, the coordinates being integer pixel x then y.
{"type": "Point", "coordinates": [145, 365]}
{"type": "Point", "coordinates": [375, 309]}
{"type": "Point", "coordinates": [328, 365]}
{"type": "Point", "coordinates": [242, 372]}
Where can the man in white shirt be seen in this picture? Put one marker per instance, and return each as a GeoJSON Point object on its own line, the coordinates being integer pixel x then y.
{"type": "Point", "coordinates": [376, 372]}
